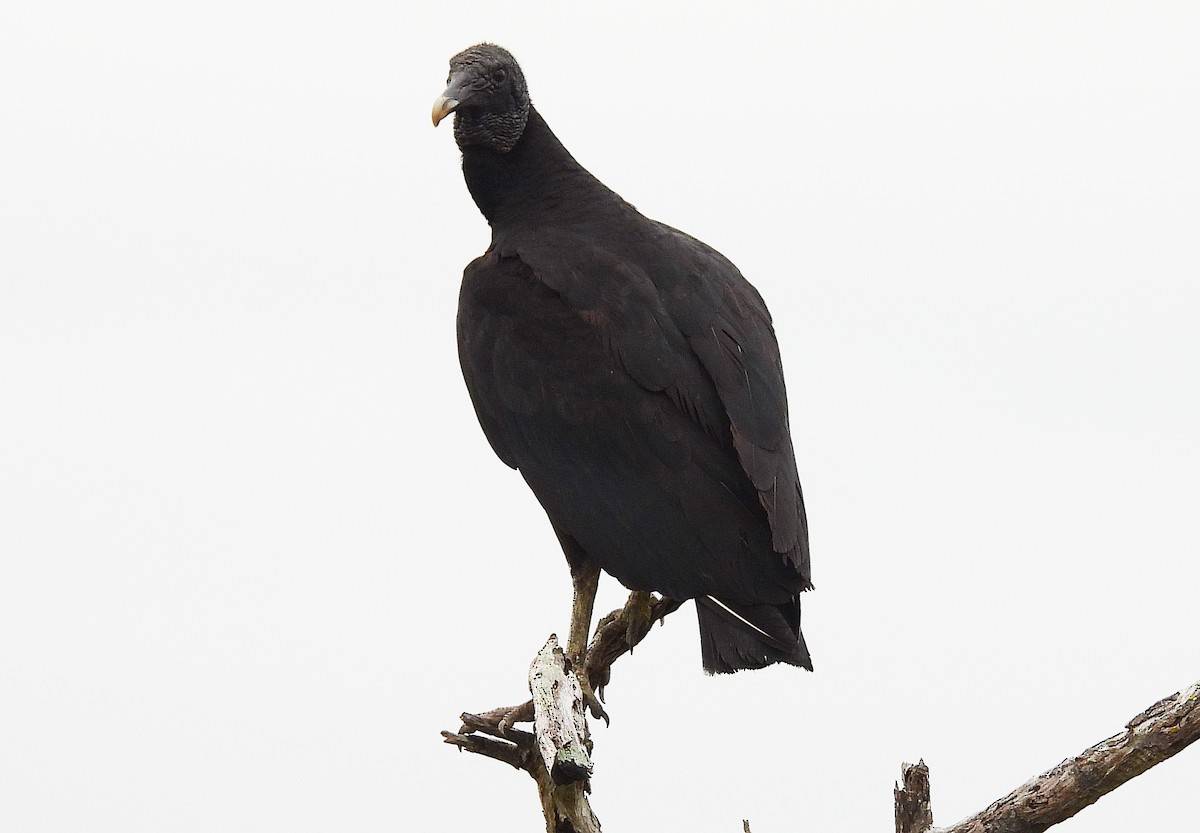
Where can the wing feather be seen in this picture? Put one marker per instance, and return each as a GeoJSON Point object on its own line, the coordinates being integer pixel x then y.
{"type": "Point", "coordinates": [681, 319]}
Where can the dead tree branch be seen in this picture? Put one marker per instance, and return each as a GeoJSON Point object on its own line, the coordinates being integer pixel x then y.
{"type": "Point", "coordinates": [558, 722]}
{"type": "Point", "coordinates": [557, 753]}
{"type": "Point", "coordinates": [1057, 794]}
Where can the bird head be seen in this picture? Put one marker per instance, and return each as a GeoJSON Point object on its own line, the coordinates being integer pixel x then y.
{"type": "Point", "coordinates": [486, 92]}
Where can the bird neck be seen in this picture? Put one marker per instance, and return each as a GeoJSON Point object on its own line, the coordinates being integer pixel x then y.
{"type": "Point", "coordinates": [538, 181]}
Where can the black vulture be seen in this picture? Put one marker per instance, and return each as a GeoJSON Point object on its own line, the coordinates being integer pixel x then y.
{"type": "Point", "coordinates": [632, 375]}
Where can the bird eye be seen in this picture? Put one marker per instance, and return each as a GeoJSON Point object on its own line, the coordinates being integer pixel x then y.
{"type": "Point", "coordinates": [499, 75]}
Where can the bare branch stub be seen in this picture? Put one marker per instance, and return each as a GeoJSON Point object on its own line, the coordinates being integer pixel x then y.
{"type": "Point", "coordinates": [1156, 734]}
{"type": "Point", "coordinates": [914, 813]}
{"type": "Point", "coordinates": [559, 725]}
{"type": "Point", "coordinates": [515, 755]}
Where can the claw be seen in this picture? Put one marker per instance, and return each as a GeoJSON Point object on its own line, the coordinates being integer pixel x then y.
{"type": "Point", "coordinates": [592, 701]}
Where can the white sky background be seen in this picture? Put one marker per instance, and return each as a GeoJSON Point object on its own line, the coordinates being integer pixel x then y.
{"type": "Point", "coordinates": [256, 552]}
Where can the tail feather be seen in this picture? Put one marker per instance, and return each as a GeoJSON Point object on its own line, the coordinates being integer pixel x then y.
{"type": "Point", "coordinates": [737, 636]}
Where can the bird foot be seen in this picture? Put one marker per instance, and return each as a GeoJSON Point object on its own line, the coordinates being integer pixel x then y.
{"type": "Point", "coordinates": [618, 632]}
{"type": "Point", "coordinates": [639, 617]}
{"type": "Point", "coordinates": [497, 722]}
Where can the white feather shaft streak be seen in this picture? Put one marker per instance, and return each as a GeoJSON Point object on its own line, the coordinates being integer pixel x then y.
{"type": "Point", "coordinates": [741, 618]}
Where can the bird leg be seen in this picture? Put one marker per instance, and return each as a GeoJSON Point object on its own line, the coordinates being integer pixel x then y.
{"type": "Point", "coordinates": [585, 579]}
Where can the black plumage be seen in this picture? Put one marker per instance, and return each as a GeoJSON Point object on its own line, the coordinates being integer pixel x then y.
{"type": "Point", "coordinates": [632, 375]}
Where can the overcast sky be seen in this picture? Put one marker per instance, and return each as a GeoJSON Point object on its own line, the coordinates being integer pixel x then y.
{"type": "Point", "coordinates": [255, 551]}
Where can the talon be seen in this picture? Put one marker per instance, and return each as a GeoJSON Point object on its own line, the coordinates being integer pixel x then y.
{"type": "Point", "coordinates": [590, 700]}
{"type": "Point", "coordinates": [597, 710]}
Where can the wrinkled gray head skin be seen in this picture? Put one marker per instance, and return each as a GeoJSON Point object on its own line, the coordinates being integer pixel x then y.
{"type": "Point", "coordinates": [486, 92]}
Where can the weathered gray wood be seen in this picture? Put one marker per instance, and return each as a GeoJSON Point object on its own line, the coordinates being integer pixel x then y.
{"type": "Point", "coordinates": [1156, 734]}
{"type": "Point", "coordinates": [565, 808]}
{"type": "Point", "coordinates": [913, 811]}
{"type": "Point", "coordinates": [563, 763]}
{"type": "Point", "coordinates": [558, 721]}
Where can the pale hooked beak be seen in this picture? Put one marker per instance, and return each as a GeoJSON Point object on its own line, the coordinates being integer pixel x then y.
{"type": "Point", "coordinates": [443, 106]}
{"type": "Point", "coordinates": [458, 87]}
